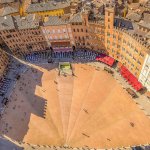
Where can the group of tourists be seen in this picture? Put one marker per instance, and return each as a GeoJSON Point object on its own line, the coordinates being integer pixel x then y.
{"type": "Point", "coordinates": [82, 54]}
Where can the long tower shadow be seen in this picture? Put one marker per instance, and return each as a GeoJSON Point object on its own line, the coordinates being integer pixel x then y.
{"type": "Point", "coordinates": [24, 102]}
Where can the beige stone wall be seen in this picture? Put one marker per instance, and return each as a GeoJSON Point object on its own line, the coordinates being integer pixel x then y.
{"type": "Point", "coordinates": [144, 77]}
{"type": "Point", "coordinates": [122, 46]}
{"type": "Point", "coordinates": [89, 34]}
{"type": "Point", "coordinates": [132, 54]}
{"type": "Point", "coordinates": [126, 49]}
{"type": "Point", "coordinates": [96, 36]}
{"type": "Point", "coordinates": [80, 33]}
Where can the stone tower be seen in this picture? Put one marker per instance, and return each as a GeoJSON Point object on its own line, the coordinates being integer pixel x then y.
{"type": "Point", "coordinates": [109, 26]}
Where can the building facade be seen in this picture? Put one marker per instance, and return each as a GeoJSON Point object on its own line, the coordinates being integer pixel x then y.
{"type": "Point", "coordinates": [122, 43]}
{"type": "Point", "coordinates": [57, 32]}
{"type": "Point", "coordinates": [48, 8]}
{"type": "Point", "coordinates": [119, 38]}
{"type": "Point", "coordinates": [4, 61]}
{"type": "Point", "coordinates": [88, 33]}
{"type": "Point", "coordinates": [24, 35]}
{"type": "Point", "coordinates": [144, 77]}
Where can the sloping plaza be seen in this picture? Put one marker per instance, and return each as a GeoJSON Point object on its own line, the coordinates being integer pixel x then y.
{"type": "Point", "coordinates": [90, 108]}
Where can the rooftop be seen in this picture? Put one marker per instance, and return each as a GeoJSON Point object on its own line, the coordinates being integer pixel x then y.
{"type": "Point", "coordinates": [54, 21]}
{"type": "Point", "coordinates": [144, 24]}
{"type": "Point", "coordinates": [6, 1]}
{"type": "Point", "coordinates": [6, 10]}
{"type": "Point", "coordinates": [6, 23]}
{"type": "Point", "coordinates": [134, 17]}
{"type": "Point", "coordinates": [76, 18]}
{"type": "Point", "coordinates": [122, 23]}
{"type": "Point", "coordinates": [50, 5]}
{"type": "Point", "coordinates": [30, 21]}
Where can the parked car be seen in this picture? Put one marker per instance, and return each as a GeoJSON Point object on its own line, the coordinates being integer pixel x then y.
{"type": "Point", "coordinates": [108, 70]}
{"type": "Point", "coordinates": [131, 92]}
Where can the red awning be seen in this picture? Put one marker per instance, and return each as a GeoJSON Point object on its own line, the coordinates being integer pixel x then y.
{"type": "Point", "coordinates": [105, 59]}
{"type": "Point", "coordinates": [130, 78]}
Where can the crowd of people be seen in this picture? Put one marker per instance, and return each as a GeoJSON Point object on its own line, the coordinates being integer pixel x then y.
{"type": "Point", "coordinates": [8, 80]}
{"type": "Point", "coordinates": [86, 54]}
{"type": "Point", "coordinates": [37, 56]}
{"type": "Point", "coordinates": [62, 55]}
{"type": "Point", "coordinates": [4, 85]}
{"type": "Point", "coordinates": [78, 54]}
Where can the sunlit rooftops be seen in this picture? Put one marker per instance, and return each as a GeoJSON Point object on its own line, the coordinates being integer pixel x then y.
{"type": "Point", "coordinates": [6, 23]}
{"type": "Point", "coordinates": [6, 1]}
{"type": "Point", "coordinates": [6, 10]}
{"type": "Point", "coordinates": [46, 6]}
{"type": "Point", "coordinates": [27, 22]}
{"type": "Point", "coordinates": [53, 21]}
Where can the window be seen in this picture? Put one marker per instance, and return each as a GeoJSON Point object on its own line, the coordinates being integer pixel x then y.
{"type": "Point", "coordinates": [118, 46]}
{"type": "Point", "coordinates": [66, 36]}
{"type": "Point", "coordinates": [132, 46]}
{"type": "Point", "coordinates": [8, 36]}
{"type": "Point", "coordinates": [123, 48]}
{"type": "Point", "coordinates": [108, 34]}
{"type": "Point", "coordinates": [53, 31]}
{"type": "Point", "coordinates": [64, 30]}
{"type": "Point", "coordinates": [141, 54]}
{"type": "Point", "coordinates": [132, 65]}
{"type": "Point", "coordinates": [128, 44]}
{"type": "Point", "coordinates": [69, 29]}
{"type": "Point", "coordinates": [139, 62]}
{"type": "Point", "coordinates": [114, 36]}
{"type": "Point", "coordinates": [108, 41]}
{"type": "Point", "coordinates": [136, 50]}
{"type": "Point", "coordinates": [113, 44]}
{"type": "Point", "coordinates": [124, 41]}
{"type": "Point", "coordinates": [44, 31]}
